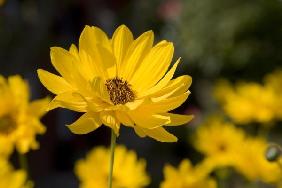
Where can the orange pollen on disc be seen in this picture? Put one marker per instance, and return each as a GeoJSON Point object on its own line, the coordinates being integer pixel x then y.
{"type": "Point", "coordinates": [119, 91]}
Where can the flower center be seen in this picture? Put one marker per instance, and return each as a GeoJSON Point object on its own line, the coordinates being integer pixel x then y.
{"type": "Point", "coordinates": [222, 148]}
{"type": "Point", "coordinates": [119, 91]}
{"type": "Point", "coordinates": [7, 124]}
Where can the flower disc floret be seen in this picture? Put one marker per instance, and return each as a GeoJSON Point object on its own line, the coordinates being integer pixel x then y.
{"type": "Point", "coordinates": [119, 91]}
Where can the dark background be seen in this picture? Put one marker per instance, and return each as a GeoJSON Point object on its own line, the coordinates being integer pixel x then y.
{"type": "Point", "coordinates": [235, 39]}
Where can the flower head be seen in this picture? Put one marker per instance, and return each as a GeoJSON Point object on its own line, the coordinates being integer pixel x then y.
{"type": "Point", "coordinates": [187, 176]}
{"type": "Point", "coordinates": [224, 145]}
{"type": "Point", "coordinates": [116, 81]}
{"type": "Point", "coordinates": [253, 163]}
{"type": "Point", "coordinates": [19, 118]}
{"type": "Point", "coordinates": [220, 141]}
{"type": "Point", "coordinates": [129, 172]}
{"type": "Point", "coordinates": [247, 102]}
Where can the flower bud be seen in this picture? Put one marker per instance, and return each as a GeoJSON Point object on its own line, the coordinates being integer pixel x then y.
{"type": "Point", "coordinates": [273, 152]}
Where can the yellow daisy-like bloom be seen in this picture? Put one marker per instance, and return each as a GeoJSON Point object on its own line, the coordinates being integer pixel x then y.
{"type": "Point", "coordinates": [19, 118]}
{"type": "Point", "coordinates": [10, 178]}
{"type": "Point", "coordinates": [224, 145]}
{"type": "Point", "coordinates": [219, 141]}
{"type": "Point", "coordinates": [187, 176]}
{"type": "Point", "coordinates": [116, 81]}
{"type": "Point", "coordinates": [247, 102]}
{"type": "Point", "coordinates": [253, 163]}
{"type": "Point", "coordinates": [129, 171]}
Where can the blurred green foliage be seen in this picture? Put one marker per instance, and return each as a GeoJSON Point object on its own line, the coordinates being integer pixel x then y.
{"type": "Point", "coordinates": [231, 36]}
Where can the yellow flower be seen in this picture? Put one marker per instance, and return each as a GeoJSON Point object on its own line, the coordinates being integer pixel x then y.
{"type": "Point", "coordinates": [253, 163]}
{"type": "Point", "coordinates": [187, 176]}
{"type": "Point", "coordinates": [19, 118]}
{"type": "Point", "coordinates": [10, 178]}
{"type": "Point", "coordinates": [219, 141]}
{"type": "Point", "coordinates": [116, 81]}
{"type": "Point", "coordinates": [129, 172]}
{"type": "Point", "coordinates": [247, 102]}
{"type": "Point", "coordinates": [273, 82]}
{"type": "Point", "coordinates": [224, 145]}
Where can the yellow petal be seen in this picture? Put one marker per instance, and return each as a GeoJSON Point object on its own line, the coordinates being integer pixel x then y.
{"type": "Point", "coordinates": [167, 104]}
{"type": "Point", "coordinates": [162, 83]}
{"type": "Point", "coordinates": [160, 134]}
{"type": "Point", "coordinates": [70, 101]}
{"type": "Point", "coordinates": [153, 67]}
{"type": "Point", "coordinates": [24, 145]}
{"type": "Point", "coordinates": [135, 104]}
{"type": "Point", "coordinates": [88, 122]}
{"type": "Point", "coordinates": [19, 88]}
{"type": "Point", "coordinates": [95, 104]}
{"type": "Point", "coordinates": [63, 61]}
{"type": "Point", "coordinates": [2, 80]}
{"type": "Point", "coordinates": [38, 126]}
{"type": "Point", "coordinates": [79, 72]}
{"type": "Point", "coordinates": [8, 149]}
{"type": "Point", "coordinates": [106, 60]}
{"type": "Point", "coordinates": [124, 118]}
{"type": "Point", "coordinates": [72, 69]}
{"type": "Point", "coordinates": [100, 90]}
{"type": "Point", "coordinates": [122, 38]}
{"type": "Point", "coordinates": [148, 120]}
{"type": "Point", "coordinates": [53, 83]}
{"type": "Point", "coordinates": [139, 131]}
{"type": "Point", "coordinates": [184, 87]}
{"type": "Point", "coordinates": [91, 36]}
{"type": "Point", "coordinates": [19, 179]}
{"type": "Point", "coordinates": [99, 62]}
{"type": "Point", "coordinates": [175, 87]}
{"type": "Point", "coordinates": [88, 67]}
{"type": "Point", "coordinates": [39, 107]}
{"type": "Point", "coordinates": [177, 119]}
{"type": "Point", "coordinates": [74, 51]}
{"type": "Point", "coordinates": [135, 54]}
{"type": "Point", "coordinates": [109, 119]}
{"type": "Point", "coordinates": [170, 171]}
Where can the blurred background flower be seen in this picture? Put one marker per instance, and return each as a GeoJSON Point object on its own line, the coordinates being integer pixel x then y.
{"type": "Point", "coordinates": [231, 48]}
{"type": "Point", "coordinates": [187, 176]}
{"type": "Point", "coordinates": [129, 171]}
{"type": "Point", "coordinates": [226, 146]}
{"type": "Point", "coordinates": [248, 102]}
{"type": "Point", "coordinates": [19, 118]}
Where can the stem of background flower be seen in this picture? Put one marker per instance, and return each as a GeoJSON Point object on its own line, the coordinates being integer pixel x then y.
{"type": "Point", "coordinates": [223, 176]}
{"type": "Point", "coordinates": [23, 162]}
{"type": "Point", "coordinates": [113, 145]}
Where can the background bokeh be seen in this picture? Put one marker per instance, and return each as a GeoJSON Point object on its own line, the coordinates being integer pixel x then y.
{"type": "Point", "coordinates": [232, 39]}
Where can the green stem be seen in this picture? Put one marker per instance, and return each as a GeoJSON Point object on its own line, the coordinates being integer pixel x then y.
{"type": "Point", "coordinates": [113, 145]}
{"type": "Point", "coordinates": [23, 162]}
